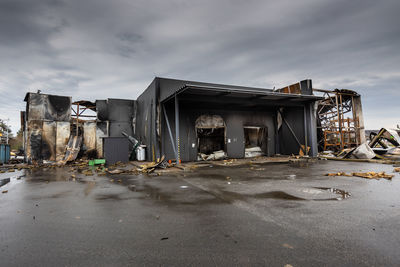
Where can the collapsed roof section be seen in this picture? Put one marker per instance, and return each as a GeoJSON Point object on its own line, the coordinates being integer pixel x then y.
{"type": "Point", "coordinates": [340, 120]}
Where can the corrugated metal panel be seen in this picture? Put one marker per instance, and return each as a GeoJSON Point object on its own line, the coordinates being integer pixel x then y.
{"type": "Point", "coordinates": [116, 149]}
{"type": "Point", "coordinates": [4, 153]}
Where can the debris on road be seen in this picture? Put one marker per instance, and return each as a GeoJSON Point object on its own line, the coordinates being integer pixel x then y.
{"type": "Point", "coordinates": [150, 167]}
{"type": "Point", "coordinates": [373, 175]}
{"type": "Point", "coordinates": [367, 175]}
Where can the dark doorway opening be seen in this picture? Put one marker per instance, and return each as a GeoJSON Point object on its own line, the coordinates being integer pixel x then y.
{"type": "Point", "coordinates": [210, 140]}
{"type": "Point", "coordinates": [255, 141]}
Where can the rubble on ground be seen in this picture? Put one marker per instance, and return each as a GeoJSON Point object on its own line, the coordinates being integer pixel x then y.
{"type": "Point", "coordinates": [367, 175]}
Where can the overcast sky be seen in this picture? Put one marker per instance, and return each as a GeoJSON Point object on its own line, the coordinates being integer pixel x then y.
{"type": "Point", "coordinates": [97, 49]}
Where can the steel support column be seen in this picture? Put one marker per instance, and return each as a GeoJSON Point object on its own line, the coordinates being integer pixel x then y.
{"type": "Point", "coordinates": [311, 123]}
{"type": "Point", "coordinates": [305, 130]}
{"type": "Point", "coordinates": [178, 158]}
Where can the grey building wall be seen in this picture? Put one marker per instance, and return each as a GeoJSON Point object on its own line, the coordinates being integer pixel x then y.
{"type": "Point", "coordinates": [114, 116]}
{"type": "Point", "coordinates": [151, 127]}
{"type": "Point", "coordinates": [146, 116]}
{"type": "Point", "coordinates": [234, 119]}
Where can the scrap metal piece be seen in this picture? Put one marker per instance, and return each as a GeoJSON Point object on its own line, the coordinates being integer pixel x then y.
{"type": "Point", "coordinates": [385, 134]}
{"type": "Point", "coordinates": [73, 148]}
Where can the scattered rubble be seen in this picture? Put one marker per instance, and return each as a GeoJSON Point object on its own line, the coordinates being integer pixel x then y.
{"type": "Point", "coordinates": [367, 175]}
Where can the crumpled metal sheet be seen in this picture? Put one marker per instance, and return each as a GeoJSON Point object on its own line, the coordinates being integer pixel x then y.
{"type": "Point", "coordinates": [73, 148]}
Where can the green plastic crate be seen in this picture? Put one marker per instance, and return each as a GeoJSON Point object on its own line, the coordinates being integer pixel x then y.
{"type": "Point", "coordinates": [97, 162]}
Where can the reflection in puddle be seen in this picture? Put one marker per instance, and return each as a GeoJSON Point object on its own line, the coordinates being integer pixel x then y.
{"type": "Point", "coordinates": [305, 194]}
{"type": "Point", "coordinates": [278, 195]}
{"type": "Point", "coordinates": [342, 194]}
{"type": "Point", "coordinates": [4, 181]}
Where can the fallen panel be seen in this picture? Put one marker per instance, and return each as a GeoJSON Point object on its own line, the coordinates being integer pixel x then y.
{"type": "Point", "coordinates": [73, 148]}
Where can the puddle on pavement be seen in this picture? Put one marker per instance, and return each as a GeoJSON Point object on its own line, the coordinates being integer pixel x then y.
{"type": "Point", "coordinates": [341, 193]}
{"type": "Point", "coordinates": [278, 195]}
{"type": "Point", "coordinates": [4, 181]}
{"type": "Point", "coordinates": [314, 194]}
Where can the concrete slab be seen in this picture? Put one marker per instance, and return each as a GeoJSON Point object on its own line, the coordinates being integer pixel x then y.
{"type": "Point", "coordinates": [267, 214]}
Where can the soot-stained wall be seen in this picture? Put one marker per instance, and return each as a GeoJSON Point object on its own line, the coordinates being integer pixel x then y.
{"type": "Point", "coordinates": [235, 120]}
{"type": "Point", "coordinates": [114, 116]}
{"type": "Point", "coordinates": [147, 118]}
{"type": "Point", "coordinates": [46, 126]}
{"type": "Point", "coordinates": [151, 127]}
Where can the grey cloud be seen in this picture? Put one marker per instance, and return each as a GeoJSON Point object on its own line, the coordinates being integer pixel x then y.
{"type": "Point", "coordinates": [115, 48]}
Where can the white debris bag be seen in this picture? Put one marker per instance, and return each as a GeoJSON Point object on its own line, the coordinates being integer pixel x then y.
{"type": "Point", "coordinates": [253, 152]}
{"type": "Point", "coordinates": [364, 151]}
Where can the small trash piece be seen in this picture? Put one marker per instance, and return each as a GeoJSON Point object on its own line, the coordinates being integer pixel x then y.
{"type": "Point", "coordinates": [396, 170]}
{"type": "Point", "coordinates": [183, 186]}
{"type": "Point", "coordinates": [164, 238]}
{"type": "Point", "coordinates": [285, 245]}
{"type": "Point", "coordinates": [5, 191]}
{"type": "Point", "coordinates": [116, 171]}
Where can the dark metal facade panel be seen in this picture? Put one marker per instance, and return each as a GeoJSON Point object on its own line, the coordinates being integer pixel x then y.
{"type": "Point", "coordinates": [116, 149]}
{"type": "Point", "coordinates": [169, 86]}
{"type": "Point", "coordinates": [146, 117]}
{"type": "Point", "coordinates": [235, 121]}
{"type": "Point", "coordinates": [120, 110]}
{"type": "Point", "coordinates": [288, 145]}
{"type": "Point", "coordinates": [116, 128]}
{"type": "Point", "coordinates": [102, 110]}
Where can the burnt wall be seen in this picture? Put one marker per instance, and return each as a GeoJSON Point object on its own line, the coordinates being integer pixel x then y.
{"type": "Point", "coordinates": [287, 143]}
{"type": "Point", "coordinates": [114, 116]}
{"type": "Point", "coordinates": [146, 117]}
{"type": "Point", "coordinates": [234, 119]}
{"type": "Point", "coordinates": [46, 118]}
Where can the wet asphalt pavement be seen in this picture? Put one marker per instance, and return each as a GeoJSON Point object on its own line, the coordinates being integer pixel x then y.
{"type": "Point", "coordinates": [259, 215]}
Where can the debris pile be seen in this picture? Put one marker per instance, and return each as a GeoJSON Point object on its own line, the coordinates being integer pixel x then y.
{"type": "Point", "coordinates": [150, 167]}
{"type": "Point", "coordinates": [216, 155]}
{"type": "Point", "coordinates": [367, 175]}
{"type": "Point", "coordinates": [383, 147]}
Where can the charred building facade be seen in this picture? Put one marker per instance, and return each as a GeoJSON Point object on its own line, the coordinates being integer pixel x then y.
{"type": "Point", "coordinates": [181, 120]}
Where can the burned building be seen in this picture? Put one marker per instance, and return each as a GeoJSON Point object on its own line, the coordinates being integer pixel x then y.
{"type": "Point", "coordinates": [50, 122]}
{"type": "Point", "coordinates": [46, 126]}
{"type": "Point", "coordinates": [182, 119]}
